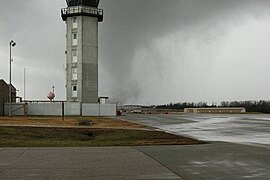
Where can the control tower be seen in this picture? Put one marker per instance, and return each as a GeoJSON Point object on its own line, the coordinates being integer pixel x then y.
{"type": "Point", "coordinates": [82, 17]}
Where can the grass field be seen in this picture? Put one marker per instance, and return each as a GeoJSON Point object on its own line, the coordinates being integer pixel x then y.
{"type": "Point", "coordinates": [104, 131]}
{"type": "Point", "coordinates": [78, 137]}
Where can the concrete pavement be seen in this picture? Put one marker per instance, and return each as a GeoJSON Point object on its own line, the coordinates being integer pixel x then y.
{"type": "Point", "coordinates": [217, 160]}
{"type": "Point", "coordinates": [80, 163]}
{"type": "Point", "coordinates": [214, 161]}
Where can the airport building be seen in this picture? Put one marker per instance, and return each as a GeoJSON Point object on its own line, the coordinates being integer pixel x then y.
{"type": "Point", "coordinates": [230, 110]}
{"type": "Point", "coordinates": [4, 95]}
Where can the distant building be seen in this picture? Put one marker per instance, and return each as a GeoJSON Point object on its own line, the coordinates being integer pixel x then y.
{"type": "Point", "coordinates": [130, 107]}
{"type": "Point", "coordinates": [230, 110]}
{"type": "Point", "coordinates": [4, 95]}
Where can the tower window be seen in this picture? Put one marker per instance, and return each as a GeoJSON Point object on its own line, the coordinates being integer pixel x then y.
{"type": "Point", "coordinates": [74, 19]}
{"type": "Point", "coordinates": [74, 74]}
{"type": "Point", "coordinates": [74, 91]}
{"type": "Point", "coordinates": [75, 38]}
{"type": "Point", "coordinates": [74, 88]}
{"type": "Point", "coordinates": [74, 56]}
{"type": "Point", "coordinates": [75, 22]}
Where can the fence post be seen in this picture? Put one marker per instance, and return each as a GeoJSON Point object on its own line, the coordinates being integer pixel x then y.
{"type": "Point", "coordinates": [63, 111]}
{"type": "Point", "coordinates": [25, 109]}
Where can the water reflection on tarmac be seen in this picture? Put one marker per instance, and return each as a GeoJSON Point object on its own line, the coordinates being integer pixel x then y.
{"type": "Point", "coordinates": [242, 128]}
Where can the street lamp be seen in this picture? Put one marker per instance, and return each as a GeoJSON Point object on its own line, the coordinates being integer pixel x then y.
{"type": "Point", "coordinates": [11, 44]}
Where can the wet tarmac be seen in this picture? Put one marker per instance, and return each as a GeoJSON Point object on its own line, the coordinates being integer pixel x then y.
{"type": "Point", "coordinates": [239, 128]}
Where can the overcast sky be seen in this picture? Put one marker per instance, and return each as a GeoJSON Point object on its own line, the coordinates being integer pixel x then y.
{"type": "Point", "coordinates": [150, 51]}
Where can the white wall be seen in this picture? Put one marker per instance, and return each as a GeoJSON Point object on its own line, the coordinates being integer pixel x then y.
{"type": "Point", "coordinates": [90, 109]}
{"type": "Point", "coordinates": [55, 109]}
{"type": "Point", "coordinates": [98, 109]}
{"type": "Point", "coordinates": [44, 109]}
{"type": "Point", "coordinates": [72, 109]}
{"type": "Point", "coordinates": [108, 109]}
{"type": "Point", "coordinates": [17, 109]}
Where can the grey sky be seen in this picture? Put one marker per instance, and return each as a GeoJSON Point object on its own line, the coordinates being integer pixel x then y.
{"type": "Point", "coordinates": [151, 51]}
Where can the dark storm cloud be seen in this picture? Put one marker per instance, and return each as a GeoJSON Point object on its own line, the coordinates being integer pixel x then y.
{"type": "Point", "coordinates": [150, 50]}
{"type": "Point", "coordinates": [130, 25]}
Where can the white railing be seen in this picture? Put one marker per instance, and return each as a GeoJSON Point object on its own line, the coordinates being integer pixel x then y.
{"type": "Point", "coordinates": [82, 9]}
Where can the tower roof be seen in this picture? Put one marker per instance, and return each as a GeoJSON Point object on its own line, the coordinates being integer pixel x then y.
{"type": "Point", "coordinates": [92, 3]}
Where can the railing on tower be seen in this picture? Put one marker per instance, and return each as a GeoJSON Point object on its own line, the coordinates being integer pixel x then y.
{"type": "Point", "coordinates": [82, 11]}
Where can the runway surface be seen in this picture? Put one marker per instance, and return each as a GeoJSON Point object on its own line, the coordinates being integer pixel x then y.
{"type": "Point", "coordinates": [228, 128]}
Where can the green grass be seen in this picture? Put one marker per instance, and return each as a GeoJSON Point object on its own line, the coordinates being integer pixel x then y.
{"type": "Point", "coordinates": [72, 137]}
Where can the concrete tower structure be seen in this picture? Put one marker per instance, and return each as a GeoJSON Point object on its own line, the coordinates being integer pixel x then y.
{"type": "Point", "coordinates": [82, 17]}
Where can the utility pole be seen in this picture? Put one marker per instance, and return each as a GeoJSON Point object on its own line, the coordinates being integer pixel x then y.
{"type": "Point", "coordinates": [11, 44]}
{"type": "Point", "coordinates": [24, 78]}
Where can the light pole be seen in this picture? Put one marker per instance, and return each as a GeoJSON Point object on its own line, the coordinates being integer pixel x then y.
{"type": "Point", "coordinates": [53, 92]}
{"type": "Point", "coordinates": [24, 74]}
{"type": "Point", "coordinates": [11, 44]}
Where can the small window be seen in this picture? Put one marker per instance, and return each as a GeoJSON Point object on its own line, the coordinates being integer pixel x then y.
{"type": "Point", "coordinates": [74, 92]}
{"type": "Point", "coordinates": [74, 19]}
{"type": "Point", "coordinates": [74, 88]}
{"type": "Point", "coordinates": [74, 52]}
{"type": "Point", "coordinates": [74, 74]}
{"type": "Point", "coordinates": [74, 56]}
{"type": "Point", "coordinates": [75, 39]}
{"type": "Point", "coordinates": [75, 22]}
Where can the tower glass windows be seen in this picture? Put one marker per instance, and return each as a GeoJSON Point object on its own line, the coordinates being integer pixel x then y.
{"type": "Point", "coordinates": [75, 22]}
{"type": "Point", "coordinates": [74, 56]}
{"type": "Point", "coordinates": [75, 39]}
{"type": "Point", "coordinates": [74, 91]}
{"type": "Point", "coordinates": [74, 74]}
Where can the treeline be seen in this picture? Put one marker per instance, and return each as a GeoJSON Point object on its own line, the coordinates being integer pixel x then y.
{"type": "Point", "coordinates": [185, 105]}
{"type": "Point", "coordinates": [251, 106]}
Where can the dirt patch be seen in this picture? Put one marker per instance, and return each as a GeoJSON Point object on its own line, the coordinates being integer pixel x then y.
{"type": "Point", "coordinates": [97, 122]}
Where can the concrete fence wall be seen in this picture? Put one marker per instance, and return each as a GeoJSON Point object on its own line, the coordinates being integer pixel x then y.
{"type": "Point", "coordinates": [90, 110]}
{"type": "Point", "coordinates": [51, 109]}
{"type": "Point", "coordinates": [55, 109]}
{"type": "Point", "coordinates": [17, 109]}
{"type": "Point", "coordinates": [108, 109]}
{"type": "Point", "coordinates": [72, 109]}
{"type": "Point", "coordinates": [98, 109]}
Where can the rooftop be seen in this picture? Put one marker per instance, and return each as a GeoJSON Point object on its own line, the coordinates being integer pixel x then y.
{"type": "Point", "coordinates": [91, 3]}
